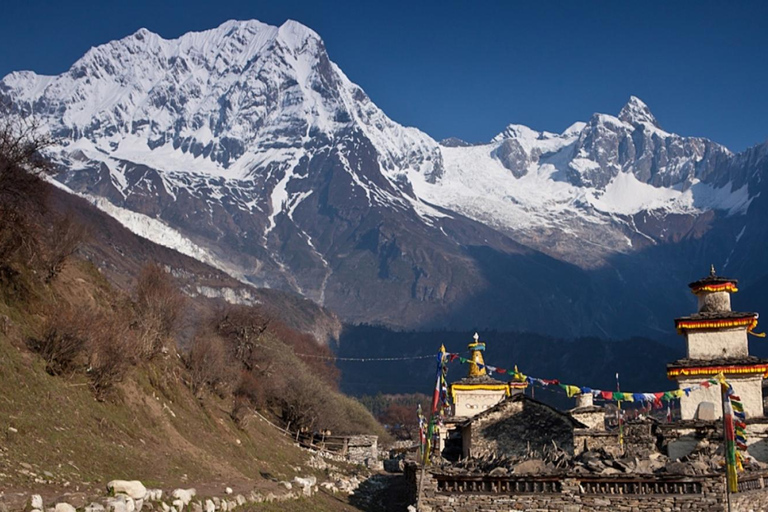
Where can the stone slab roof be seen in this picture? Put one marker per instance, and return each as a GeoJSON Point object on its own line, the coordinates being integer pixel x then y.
{"type": "Point", "coordinates": [587, 409]}
{"type": "Point", "coordinates": [520, 397]}
{"type": "Point", "coordinates": [480, 379]}
{"type": "Point", "coordinates": [716, 315]}
{"type": "Point", "coordinates": [712, 280]}
{"type": "Point", "coordinates": [722, 361]}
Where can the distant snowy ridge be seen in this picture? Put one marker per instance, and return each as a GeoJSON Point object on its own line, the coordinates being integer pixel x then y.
{"type": "Point", "coordinates": [249, 98]}
{"type": "Point", "coordinates": [245, 146]}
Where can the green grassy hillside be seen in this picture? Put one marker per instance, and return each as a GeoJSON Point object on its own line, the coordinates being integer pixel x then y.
{"type": "Point", "coordinates": [111, 369]}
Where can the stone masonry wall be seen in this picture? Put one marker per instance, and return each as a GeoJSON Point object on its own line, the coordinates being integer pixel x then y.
{"type": "Point", "coordinates": [583, 494]}
{"type": "Point", "coordinates": [517, 427]}
{"type": "Point", "coordinates": [585, 439]}
{"type": "Point", "coordinates": [362, 449]}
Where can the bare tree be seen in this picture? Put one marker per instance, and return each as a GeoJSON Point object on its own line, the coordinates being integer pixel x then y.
{"type": "Point", "coordinates": [22, 193]}
{"type": "Point", "coordinates": [109, 351]}
{"type": "Point", "coordinates": [22, 140]}
{"type": "Point", "coordinates": [65, 238]}
{"type": "Point", "coordinates": [159, 308]}
{"type": "Point", "coordinates": [243, 326]}
{"type": "Point", "coordinates": [64, 340]}
{"type": "Point", "coordinates": [210, 364]}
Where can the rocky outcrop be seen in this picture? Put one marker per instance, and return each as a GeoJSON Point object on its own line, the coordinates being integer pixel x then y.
{"type": "Point", "coordinates": [121, 499]}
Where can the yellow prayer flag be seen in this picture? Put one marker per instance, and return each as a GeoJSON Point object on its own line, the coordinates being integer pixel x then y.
{"type": "Point", "coordinates": [572, 391]}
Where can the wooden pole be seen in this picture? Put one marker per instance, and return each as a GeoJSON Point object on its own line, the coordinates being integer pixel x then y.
{"type": "Point", "coordinates": [621, 426]}
{"type": "Point", "coordinates": [727, 484]}
{"type": "Point", "coordinates": [421, 486]}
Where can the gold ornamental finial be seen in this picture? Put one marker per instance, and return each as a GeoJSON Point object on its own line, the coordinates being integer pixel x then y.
{"type": "Point", "coordinates": [477, 364]}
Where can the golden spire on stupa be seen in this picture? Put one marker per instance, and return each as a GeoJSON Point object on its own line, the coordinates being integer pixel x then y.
{"type": "Point", "coordinates": [476, 349]}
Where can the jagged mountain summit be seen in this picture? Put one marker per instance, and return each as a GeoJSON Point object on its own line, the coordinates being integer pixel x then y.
{"type": "Point", "coordinates": [247, 147]}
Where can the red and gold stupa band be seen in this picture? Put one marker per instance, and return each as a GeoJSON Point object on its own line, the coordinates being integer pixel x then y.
{"type": "Point", "coordinates": [715, 287]}
{"type": "Point", "coordinates": [753, 369]}
{"type": "Point", "coordinates": [750, 322]}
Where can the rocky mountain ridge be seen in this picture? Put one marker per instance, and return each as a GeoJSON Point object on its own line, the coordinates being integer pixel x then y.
{"type": "Point", "coordinates": [250, 144]}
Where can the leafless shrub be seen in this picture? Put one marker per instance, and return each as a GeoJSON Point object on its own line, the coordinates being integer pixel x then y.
{"type": "Point", "coordinates": [243, 327]}
{"type": "Point", "coordinates": [159, 308]}
{"type": "Point", "coordinates": [302, 394]}
{"type": "Point", "coordinates": [22, 199]}
{"type": "Point", "coordinates": [65, 238]}
{"type": "Point", "coordinates": [63, 341]}
{"type": "Point", "coordinates": [210, 365]}
{"type": "Point", "coordinates": [302, 401]}
{"type": "Point", "coordinates": [21, 142]}
{"type": "Point", "coordinates": [109, 352]}
{"type": "Point", "coordinates": [92, 340]}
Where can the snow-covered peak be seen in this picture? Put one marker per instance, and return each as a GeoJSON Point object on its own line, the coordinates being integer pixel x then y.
{"type": "Point", "coordinates": [574, 129]}
{"type": "Point", "coordinates": [226, 101]}
{"type": "Point", "coordinates": [519, 131]}
{"type": "Point", "coordinates": [295, 35]}
{"type": "Point", "coordinates": [637, 112]}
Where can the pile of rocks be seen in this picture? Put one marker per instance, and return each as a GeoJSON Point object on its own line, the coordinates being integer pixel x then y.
{"type": "Point", "coordinates": [707, 458]}
{"type": "Point", "coordinates": [133, 496]}
{"type": "Point", "coordinates": [339, 482]}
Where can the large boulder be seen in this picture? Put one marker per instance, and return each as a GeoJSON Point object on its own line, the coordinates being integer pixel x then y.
{"type": "Point", "coordinates": [306, 484]}
{"type": "Point", "coordinates": [185, 495]}
{"type": "Point", "coordinates": [121, 503]}
{"type": "Point", "coordinates": [531, 467]}
{"type": "Point", "coordinates": [131, 488]}
{"type": "Point", "coordinates": [36, 502]}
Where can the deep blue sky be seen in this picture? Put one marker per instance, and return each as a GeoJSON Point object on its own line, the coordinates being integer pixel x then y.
{"type": "Point", "coordinates": [467, 69]}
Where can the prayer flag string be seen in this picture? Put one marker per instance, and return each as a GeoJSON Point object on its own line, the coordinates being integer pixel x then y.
{"type": "Point", "coordinates": [571, 390]}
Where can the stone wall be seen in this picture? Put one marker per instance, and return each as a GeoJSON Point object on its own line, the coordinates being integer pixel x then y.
{"type": "Point", "coordinates": [588, 439]}
{"type": "Point", "coordinates": [452, 493]}
{"type": "Point", "coordinates": [682, 438]}
{"type": "Point", "coordinates": [757, 439]}
{"type": "Point", "coordinates": [363, 450]}
{"type": "Point", "coordinates": [515, 427]}
{"type": "Point", "coordinates": [593, 417]}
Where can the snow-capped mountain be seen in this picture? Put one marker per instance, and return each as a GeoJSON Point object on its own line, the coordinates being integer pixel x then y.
{"type": "Point", "coordinates": [248, 145]}
{"type": "Point", "coordinates": [586, 183]}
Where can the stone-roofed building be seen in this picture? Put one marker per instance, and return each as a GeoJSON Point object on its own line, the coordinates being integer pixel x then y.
{"type": "Point", "coordinates": [517, 426]}
{"type": "Point", "coordinates": [586, 412]}
{"type": "Point", "coordinates": [471, 395]}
